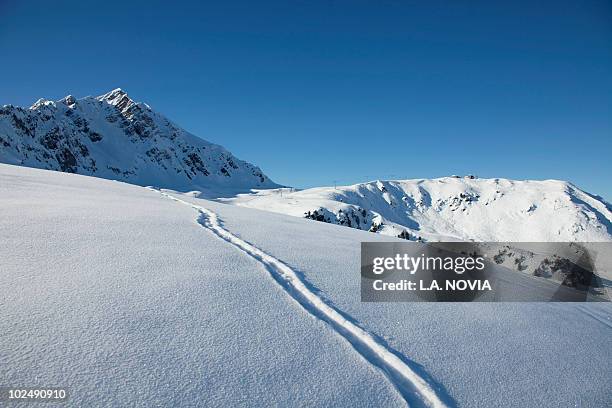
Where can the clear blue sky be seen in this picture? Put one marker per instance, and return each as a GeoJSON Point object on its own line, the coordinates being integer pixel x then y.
{"type": "Point", "coordinates": [314, 92]}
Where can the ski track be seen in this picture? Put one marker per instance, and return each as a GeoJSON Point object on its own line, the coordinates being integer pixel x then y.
{"type": "Point", "coordinates": [415, 389]}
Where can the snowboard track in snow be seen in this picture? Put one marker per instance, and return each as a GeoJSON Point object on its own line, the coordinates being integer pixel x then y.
{"type": "Point", "coordinates": [414, 385]}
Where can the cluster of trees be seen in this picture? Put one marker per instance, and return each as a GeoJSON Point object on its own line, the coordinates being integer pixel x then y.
{"type": "Point", "coordinates": [352, 219]}
{"type": "Point", "coordinates": [376, 227]}
{"type": "Point", "coordinates": [404, 235]}
{"type": "Point", "coordinates": [316, 215]}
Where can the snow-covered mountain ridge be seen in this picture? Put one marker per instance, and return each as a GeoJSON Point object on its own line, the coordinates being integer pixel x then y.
{"type": "Point", "coordinates": [461, 208]}
{"type": "Point", "coordinates": [111, 136]}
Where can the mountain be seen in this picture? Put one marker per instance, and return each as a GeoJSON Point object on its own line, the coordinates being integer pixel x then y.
{"type": "Point", "coordinates": [135, 291]}
{"type": "Point", "coordinates": [451, 208]}
{"type": "Point", "coordinates": [111, 136]}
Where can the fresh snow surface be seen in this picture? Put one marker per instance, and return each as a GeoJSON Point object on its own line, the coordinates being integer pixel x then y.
{"type": "Point", "coordinates": [408, 382]}
{"type": "Point", "coordinates": [478, 354]}
{"type": "Point", "coordinates": [118, 294]}
{"type": "Point", "coordinates": [132, 296]}
{"type": "Point", "coordinates": [451, 208]}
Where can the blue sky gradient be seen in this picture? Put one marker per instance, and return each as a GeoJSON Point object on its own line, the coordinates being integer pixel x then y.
{"type": "Point", "coordinates": [350, 91]}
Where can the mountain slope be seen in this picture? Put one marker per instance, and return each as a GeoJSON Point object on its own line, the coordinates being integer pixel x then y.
{"type": "Point", "coordinates": [113, 137]}
{"type": "Point", "coordinates": [124, 297]}
{"type": "Point", "coordinates": [136, 304]}
{"type": "Point", "coordinates": [451, 208]}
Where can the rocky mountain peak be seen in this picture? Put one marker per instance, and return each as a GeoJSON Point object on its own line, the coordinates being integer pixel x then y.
{"type": "Point", "coordinates": [69, 101]}
{"type": "Point", "coordinates": [111, 136]}
{"type": "Point", "coordinates": [117, 97]}
{"type": "Point", "coordinates": [42, 102]}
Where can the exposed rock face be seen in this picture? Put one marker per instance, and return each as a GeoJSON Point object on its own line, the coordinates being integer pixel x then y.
{"type": "Point", "coordinates": [452, 208]}
{"type": "Point", "coordinates": [111, 136]}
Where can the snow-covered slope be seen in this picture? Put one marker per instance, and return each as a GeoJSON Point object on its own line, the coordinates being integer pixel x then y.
{"type": "Point", "coordinates": [128, 297]}
{"type": "Point", "coordinates": [119, 295]}
{"type": "Point", "coordinates": [451, 208]}
{"type": "Point", "coordinates": [113, 137]}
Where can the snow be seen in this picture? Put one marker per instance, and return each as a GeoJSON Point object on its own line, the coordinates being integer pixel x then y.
{"type": "Point", "coordinates": [111, 136]}
{"type": "Point", "coordinates": [122, 294]}
{"type": "Point", "coordinates": [114, 137]}
{"type": "Point", "coordinates": [494, 355]}
{"type": "Point", "coordinates": [408, 382]}
{"type": "Point", "coordinates": [119, 295]}
{"type": "Point", "coordinates": [446, 209]}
